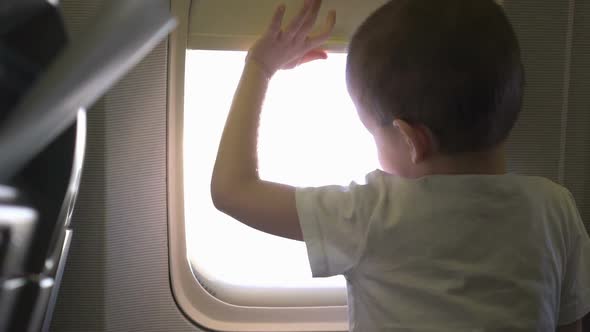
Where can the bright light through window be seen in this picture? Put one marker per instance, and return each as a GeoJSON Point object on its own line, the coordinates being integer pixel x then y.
{"type": "Point", "coordinates": [309, 136]}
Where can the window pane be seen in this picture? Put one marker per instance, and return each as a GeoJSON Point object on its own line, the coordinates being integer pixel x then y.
{"type": "Point", "coordinates": [309, 136]}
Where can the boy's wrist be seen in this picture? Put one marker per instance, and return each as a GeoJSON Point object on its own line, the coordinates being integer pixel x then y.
{"type": "Point", "coordinates": [256, 65]}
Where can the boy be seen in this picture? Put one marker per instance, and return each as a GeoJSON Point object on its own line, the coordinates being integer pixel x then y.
{"type": "Point", "coordinates": [440, 239]}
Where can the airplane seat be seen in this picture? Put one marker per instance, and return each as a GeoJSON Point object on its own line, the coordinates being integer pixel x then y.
{"type": "Point", "coordinates": [17, 223]}
{"type": "Point", "coordinates": [51, 182]}
{"type": "Point", "coordinates": [43, 135]}
{"type": "Point", "coordinates": [35, 200]}
{"type": "Point", "coordinates": [31, 35]}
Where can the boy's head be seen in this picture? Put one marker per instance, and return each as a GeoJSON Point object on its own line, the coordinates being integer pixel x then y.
{"type": "Point", "coordinates": [441, 77]}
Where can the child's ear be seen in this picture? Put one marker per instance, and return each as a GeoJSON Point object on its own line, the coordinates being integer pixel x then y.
{"type": "Point", "coordinates": [418, 139]}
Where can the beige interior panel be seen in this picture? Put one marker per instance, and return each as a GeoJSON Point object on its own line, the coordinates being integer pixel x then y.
{"type": "Point", "coordinates": [235, 24]}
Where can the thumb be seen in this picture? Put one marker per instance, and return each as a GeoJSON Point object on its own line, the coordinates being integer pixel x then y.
{"type": "Point", "coordinates": [312, 55]}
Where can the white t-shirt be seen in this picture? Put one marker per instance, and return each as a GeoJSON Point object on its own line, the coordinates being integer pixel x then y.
{"type": "Point", "coordinates": [451, 253]}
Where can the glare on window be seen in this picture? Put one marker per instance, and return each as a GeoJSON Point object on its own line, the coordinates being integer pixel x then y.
{"type": "Point", "coordinates": [309, 135]}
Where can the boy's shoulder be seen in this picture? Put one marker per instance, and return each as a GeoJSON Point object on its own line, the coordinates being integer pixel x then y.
{"type": "Point", "coordinates": [546, 187]}
{"type": "Point", "coordinates": [541, 187]}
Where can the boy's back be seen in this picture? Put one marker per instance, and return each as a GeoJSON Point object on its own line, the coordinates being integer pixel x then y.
{"type": "Point", "coordinates": [451, 253]}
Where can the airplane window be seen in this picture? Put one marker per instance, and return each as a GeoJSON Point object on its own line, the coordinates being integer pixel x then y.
{"type": "Point", "coordinates": [309, 136]}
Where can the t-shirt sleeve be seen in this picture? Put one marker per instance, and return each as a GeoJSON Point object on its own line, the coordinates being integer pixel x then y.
{"type": "Point", "coordinates": [575, 290]}
{"type": "Point", "coordinates": [335, 223]}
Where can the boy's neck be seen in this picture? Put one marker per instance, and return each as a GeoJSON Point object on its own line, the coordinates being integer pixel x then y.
{"type": "Point", "coordinates": [491, 162]}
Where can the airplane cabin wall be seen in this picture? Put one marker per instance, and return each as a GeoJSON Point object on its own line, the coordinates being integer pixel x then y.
{"type": "Point", "coordinates": [552, 138]}
{"type": "Point", "coordinates": [116, 278]}
{"type": "Point", "coordinates": [577, 163]}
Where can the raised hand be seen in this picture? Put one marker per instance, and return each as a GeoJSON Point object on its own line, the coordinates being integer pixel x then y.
{"type": "Point", "coordinates": [287, 48]}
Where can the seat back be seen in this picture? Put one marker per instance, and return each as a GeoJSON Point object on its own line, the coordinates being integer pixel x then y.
{"type": "Point", "coordinates": [43, 96]}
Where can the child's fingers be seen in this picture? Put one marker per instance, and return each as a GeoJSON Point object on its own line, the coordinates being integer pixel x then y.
{"type": "Point", "coordinates": [310, 19]}
{"type": "Point", "coordinates": [325, 32]}
{"type": "Point", "coordinates": [277, 20]}
{"type": "Point", "coordinates": [298, 21]}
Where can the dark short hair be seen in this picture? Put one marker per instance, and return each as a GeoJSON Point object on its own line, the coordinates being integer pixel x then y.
{"type": "Point", "coordinates": [451, 65]}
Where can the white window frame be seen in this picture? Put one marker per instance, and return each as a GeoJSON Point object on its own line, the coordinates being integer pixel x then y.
{"type": "Point", "coordinates": [192, 298]}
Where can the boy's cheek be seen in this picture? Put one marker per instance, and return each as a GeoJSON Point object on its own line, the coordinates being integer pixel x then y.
{"type": "Point", "coordinates": [394, 156]}
{"type": "Point", "coordinates": [392, 164]}
{"type": "Point", "coordinates": [390, 158]}
{"type": "Point", "coordinates": [387, 167]}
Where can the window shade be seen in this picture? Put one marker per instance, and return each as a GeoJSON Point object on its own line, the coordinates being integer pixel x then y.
{"type": "Point", "coordinates": [235, 24]}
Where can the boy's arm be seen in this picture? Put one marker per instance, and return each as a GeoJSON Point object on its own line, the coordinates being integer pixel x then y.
{"type": "Point", "coordinates": [236, 188]}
